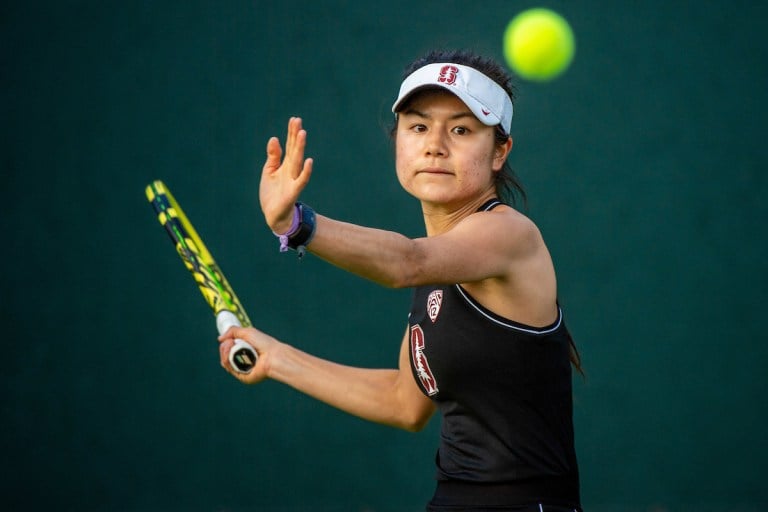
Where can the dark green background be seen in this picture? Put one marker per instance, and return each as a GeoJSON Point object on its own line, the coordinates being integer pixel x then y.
{"type": "Point", "coordinates": [646, 168]}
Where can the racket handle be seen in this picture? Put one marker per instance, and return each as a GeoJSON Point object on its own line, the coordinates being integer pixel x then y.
{"type": "Point", "coordinates": [242, 356]}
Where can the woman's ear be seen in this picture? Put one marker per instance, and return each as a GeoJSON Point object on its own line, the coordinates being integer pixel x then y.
{"type": "Point", "coordinates": [501, 153]}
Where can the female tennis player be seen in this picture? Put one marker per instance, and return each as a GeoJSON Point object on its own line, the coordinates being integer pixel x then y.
{"type": "Point", "coordinates": [486, 343]}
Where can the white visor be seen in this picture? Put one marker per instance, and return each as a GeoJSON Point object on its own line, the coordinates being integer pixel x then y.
{"type": "Point", "coordinates": [485, 98]}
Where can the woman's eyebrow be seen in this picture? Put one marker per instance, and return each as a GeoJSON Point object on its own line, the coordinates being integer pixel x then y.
{"type": "Point", "coordinates": [425, 115]}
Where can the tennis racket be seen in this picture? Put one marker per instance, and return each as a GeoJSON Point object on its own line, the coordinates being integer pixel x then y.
{"type": "Point", "coordinates": [211, 281]}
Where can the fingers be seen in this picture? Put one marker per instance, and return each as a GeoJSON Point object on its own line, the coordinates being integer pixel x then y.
{"type": "Point", "coordinates": [274, 154]}
{"type": "Point", "coordinates": [294, 125]}
{"type": "Point", "coordinates": [227, 342]}
{"type": "Point", "coordinates": [306, 173]}
{"type": "Point", "coordinates": [224, 348]}
{"type": "Point", "coordinates": [295, 144]}
{"type": "Point", "coordinates": [232, 333]}
{"type": "Point", "coordinates": [293, 161]}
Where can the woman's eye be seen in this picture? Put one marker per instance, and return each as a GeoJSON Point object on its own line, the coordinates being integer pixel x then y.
{"type": "Point", "coordinates": [419, 128]}
{"type": "Point", "coordinates": [460, 130]}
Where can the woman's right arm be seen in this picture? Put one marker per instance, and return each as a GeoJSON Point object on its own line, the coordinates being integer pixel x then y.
{"type": "Point", "coordinates": [387, 396]}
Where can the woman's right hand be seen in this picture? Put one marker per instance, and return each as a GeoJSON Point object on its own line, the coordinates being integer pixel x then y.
{"type": "Point", "coordinates": [284, 176]}
{"type": "Point", "coordinates": [263, 344]}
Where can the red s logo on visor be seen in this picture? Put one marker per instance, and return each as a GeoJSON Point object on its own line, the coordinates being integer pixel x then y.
{"type": "Point", "coordinates": [448, 74]}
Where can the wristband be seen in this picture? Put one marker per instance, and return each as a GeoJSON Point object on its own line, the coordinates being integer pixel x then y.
{"type": "Point", "coordinates": [301, 231]}
{"type": "Point", "coordinates": [292, 230]}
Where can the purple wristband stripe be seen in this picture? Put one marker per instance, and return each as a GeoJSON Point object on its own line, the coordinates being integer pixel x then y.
{"type": "Point", "coordinates": [291, 231]}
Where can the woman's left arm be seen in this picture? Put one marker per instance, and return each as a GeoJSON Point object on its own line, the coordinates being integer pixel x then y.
{"type": "Point", "coordinates": [481, 246]}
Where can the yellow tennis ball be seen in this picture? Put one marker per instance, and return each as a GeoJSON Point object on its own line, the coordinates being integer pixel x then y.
{"type": "Point", "coordinates": [538, 44]}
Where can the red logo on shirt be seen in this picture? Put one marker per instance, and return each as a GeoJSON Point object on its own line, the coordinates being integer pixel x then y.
{"type": "Point", "coordinates": [428, 381]}
{"type": "Point", "coordinates": [448, 74]}
{"type": "Point", "coordinates": [434, 301]}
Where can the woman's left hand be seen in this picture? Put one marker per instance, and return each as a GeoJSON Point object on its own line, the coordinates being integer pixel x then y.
{"type": "Point", "coordinates": [284, 176]}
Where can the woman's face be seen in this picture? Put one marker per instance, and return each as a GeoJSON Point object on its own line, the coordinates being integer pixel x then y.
{"type": "Point", "coordinates": [443, 153]}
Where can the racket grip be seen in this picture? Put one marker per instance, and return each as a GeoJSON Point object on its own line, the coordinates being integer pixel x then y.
{"type": "Point", "coordinates": [242, 356]}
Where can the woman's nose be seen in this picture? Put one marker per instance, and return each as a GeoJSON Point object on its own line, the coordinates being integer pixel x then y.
{"type": "Point", "coordinates": [435, 144]}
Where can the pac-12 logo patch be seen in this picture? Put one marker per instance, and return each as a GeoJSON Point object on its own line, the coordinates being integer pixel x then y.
{"type": "Point", "coordinates": [434, 301]}
{"type": "Point", "coordinates": [420, 362]}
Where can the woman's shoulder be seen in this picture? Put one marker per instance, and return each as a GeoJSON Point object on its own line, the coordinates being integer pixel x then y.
{"type": "Point", "coordinates": [506, 222]}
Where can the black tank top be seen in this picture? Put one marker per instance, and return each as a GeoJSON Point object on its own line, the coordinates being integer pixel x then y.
{"type": "Point", "coordinates": [504, 393]}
